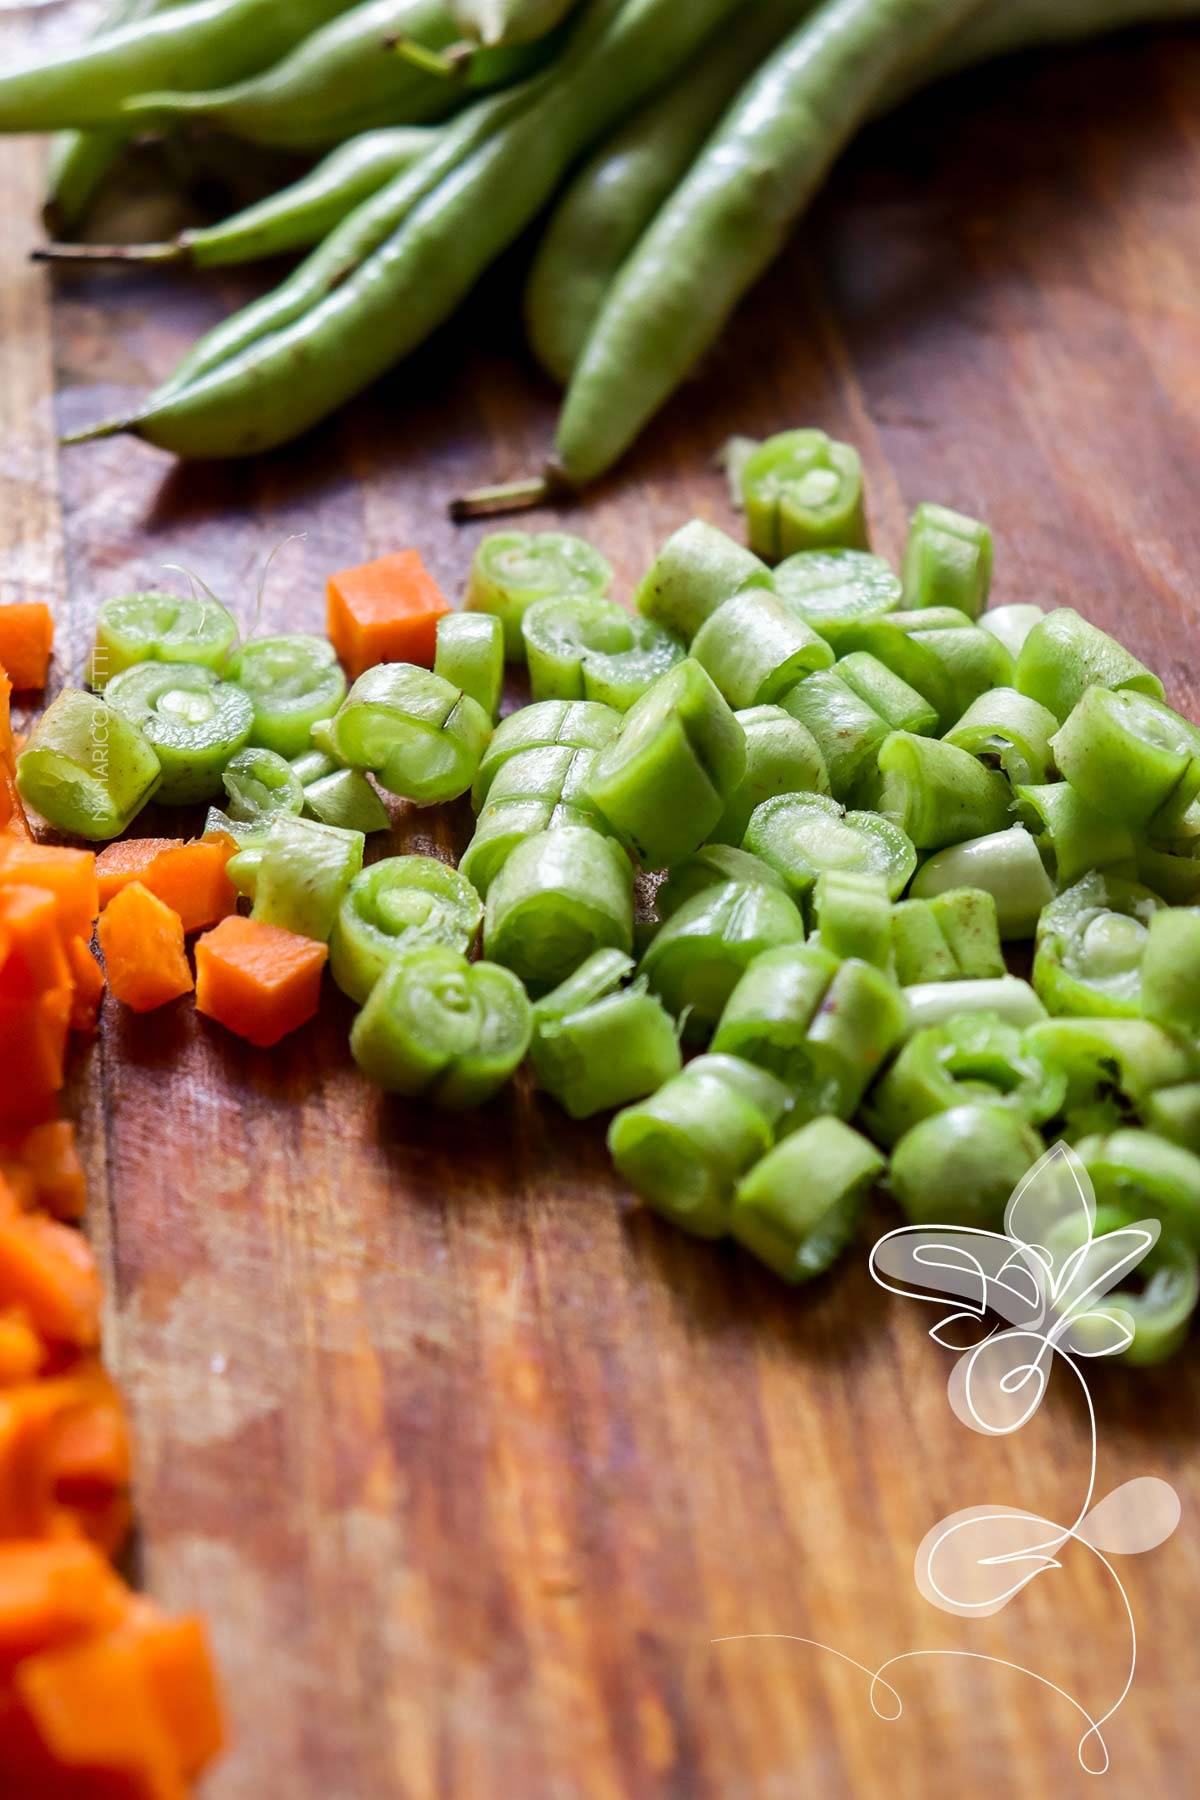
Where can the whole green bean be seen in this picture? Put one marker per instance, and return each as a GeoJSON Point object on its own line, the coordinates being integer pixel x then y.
{"type": "Point", "coordinates": [599, 219]}
{"type": "Point", "coordinates": [729, 218]}
{"type": "Point", "coordinates": [388, 304]}
{"type": "Point", "coordinates": [188, 46]}
{"type": "Point", "coordinates": [493, 22]}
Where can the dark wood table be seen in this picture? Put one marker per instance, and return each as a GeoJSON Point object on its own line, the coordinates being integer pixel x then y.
{"type": "Point", "coordinates": [468, 1465]}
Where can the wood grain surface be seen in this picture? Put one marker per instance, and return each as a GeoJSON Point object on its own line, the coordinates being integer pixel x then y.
{"type": "Point", "coordinates": [469, 1464]}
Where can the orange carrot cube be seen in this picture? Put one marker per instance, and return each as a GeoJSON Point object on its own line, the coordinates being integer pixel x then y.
{"type": "Point", "coordinates": [258, 980]}
{"type": "Point", "coordinates": [141, 940]}
{"type": "Point", "coordinates": [385, 611]}
{"type": "Point", "coordinates": [190, 878]}
{"type": "Point", "coordinates": [26, 640]}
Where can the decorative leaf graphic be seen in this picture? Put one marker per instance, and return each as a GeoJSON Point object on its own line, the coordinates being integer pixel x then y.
{"type": "Point", "coordinates": [1105, 1332]}
{"type": "Point", "coordinates": [1139, 1515]}
{"type": "Point", "coordinates": [998, 1386]}
{"type": "Point", "coordinates": [977, 1560]}
{"type": "Point", "coordinates": [982, 1269]}
{"type": "Point", "coordinates": [1056, 1193]}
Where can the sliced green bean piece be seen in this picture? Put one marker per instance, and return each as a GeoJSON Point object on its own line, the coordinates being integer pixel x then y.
{"type": "Point", "coordinates": [1008, 731]}
{"type": "Point", "coordinates": [1111, 1065]}
{"type": "Point", "coordinates": [937, 794]}
{"type": "Point", "coordinates": [833, 590]}
{"type": "Point", "coordinates": [346, 799]}
{"type": "Point", "coordinates": [1064, 655]}
{"type": "Point", "coordinates": [767, 1016]}
{"type": "Point", "coordinates": [664, 783]}
{"type": "Point", "coordinates": [1171, 971]}
{"type": "Point", "coordinates": [683, 1149]}
{"type": "Point", "coordinates": [782, 757]}
{"type": "Point", "coordinates": [559, 897]}
{"type": "Point", "coordinates": [1174, 1113]}
{"type": "Point", "coordinates": [859, 1023]}
{"type": "Point", "coordinates": [1160, 1311]}
{"type": "Point", "coordinates": [260, 785]}
{"type": "Point", "coordinates": [947, 560]}
{"type": "Point", "coordinates": [535, 791]}
{"type": "Point", "coordinates": [797, 1209]}
{"type": "Point", "coordinates": [1175, 879]}
{"type": "Point", "coordinates": [701, 953]}
{"type": "Point", "coordinates": [1006, 864]}
{"type": "Point", "coordinates": [602, 974]}
{"type": "Point", "coordinates": [697, 570]}
{"type": "Point", "coordinates": [512, 569]}
{"type": "Point", "coordinates": [1072, 836]}
{"type": "Point", "coordinates": [194, 723]}
{"type": "Point", "coordinates": [802, 835]}
{"type": "Point", "coordinates": [86, 768]}
{"type": "Point", "coordinates": [1012, 625]}
{"type": "Point", "coordinates": [966, 917]}
{"type": "Point", "coordinates": [219, 824]}
{"type": "Point", "coordinates": [550, 724]}
{"type": "Point", "coordinates": [898, 704]}
{"type": "Point", "coordinates": [592, 649]}
{"type": "Point", "coordinates": [470, 656]}
{"type": "Point", "coordinates": [1146, 1176]}
{"type": "Point", "coordinates": [299, 875]}
{"type": "Point", "coordinates": [420, 737]}
{"type": "Point", "coordinates": [440, 1028]}
{"type": "Point", "coordinates": [1010, 998]}
{"type": "Point", "coordinates": [606, 1054]}
{"type": "Point", "coordinates": [853, 916]}
{"type": "Point", "coordinates": [848, 732]}
{"type": "Point", "coordinates": [313, 765]}
{"type": "Point", "coordinates": [962, 1166]}
{"type": "Point", "coordinates": [1130, 757]}
{"type": "Point", "coordinates": [803, 491]}
{"type": "Point", "coordinates": [1090, 945]}
{"type": "Point", "coordinates": [294, 682]}
{"type": "Point", "coordinates": [160, 628]}
{"type": "Point", "coordinates": [712, 866]}
{"type": "Point", "coordinates": [920, 950]}
{"type": "Point", "coordinates": [755, 649]}
{"type": "Point", "coordinates": [977, 1057]}
{"type": "Point", "coordinates": [397, 905]}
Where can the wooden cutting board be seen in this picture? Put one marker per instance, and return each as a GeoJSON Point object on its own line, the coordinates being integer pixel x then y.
{"type": "Point", "coordinates": [470, 1466]}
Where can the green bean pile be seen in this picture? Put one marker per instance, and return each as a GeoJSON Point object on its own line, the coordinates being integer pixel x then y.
{"type": "Point", "coordinates": [668, 150]}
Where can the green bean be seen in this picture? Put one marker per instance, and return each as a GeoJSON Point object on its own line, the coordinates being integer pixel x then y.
{"type": "Point", "coordinates": [947, 561]}
{"type": "Point", "coordinates": [977, 1057]}
{"type": "Point", "coordinates": [782, 757]}
{"type": "Point", "coordinates": [260, 785]}
{"type": "Point", "coordinates": [683, 1149]}
{"type": "Point", "coordinates": [697, 959]}
{"type": "Point", "coordinates": [1130, 757]}
{"type": "Point", "coordinates": [1159, 1312]}
{"type": "Point", "coordinates": [299, 876]}
{"type": "Point", "coordinates": [346, 799]}
{"type": "Point", "coordinates": [664, 782]}
{"type": "Point", "coordinates": [920, 951]}
{"type": "Point", "coordinates": [1010, 998]}
{"type": "Point", "coordinates": [847, 730]}
{"type": "Point", "coordinates": [1064, 655]}
{"type": "Point", "coordinates": [437, 1027]}
{"type": "Point", "coordinates": [1175, 879]}
{"type": "Point", "coordinates": [1090, 945]}
{"type": "Point", "coordinates": [1012, 625]}
{"type": "Point", "coordinates": [560, 896]}
{"type": "Point", "coordinates": [767, 1017]}
{"type": "Point", "coordinates": [967, 919]}
{"type": "Point", "coordinates": [399, 904]}
{"type": "Point", "coordinates": [1008, 731]}
{"type": "Point", "coordinates": [616, 1049]}
{"type": "Point", "coordinates": [295, 218]}
{"type": "Point", "coordinates": [470, 656]}
{"type": "Point", "coordinates": [1072, 836]}
{"type": "Point", "coordinates": [493, 22]}
{"type": "Point", "coordinates": [900, 706]}
{"type": "Point", "coordinates": [602, 974]}
{"type": "Point", "coordinates": [585, 648]}
{"type": "Point", "coordinates": [1146, 1176]}
{"type": "Point", "coordinates": [165, 628]}
{"type": "Point", "coordinates": [511, 571]}
{"type": "Point", "coordinates": [1007, 864]}
{"type": "Point", "coordinates": [534, 791]}
{"type": "Point", "coordinates": [193, 721]}
{"type": "Point", "coordinates": [798, 1208]}
{"type": "Point", "coordinates": [1174, 1113]}
{"type": "Point", "coordinates": [376, 310]}
{"type": "Point", "coordinates": [731, 215]}
{"type": "Point", "coordinates": [937, 794]}
{"type": "Point", "coordinates": [960, 1167]}
{"type": "Point", "coordinates": [598, 220]}
{"type": "Point", "coordinates": [186, 46]}
{"type": "Point", "coordinates": [1112, 1065]}
{"type": "Point", "coordinates": [802, 835]}
{"type": "Point", "coordinates": [834, 590]}
{"type": "Point", "coordinates": [697, 571]}
{"type": "Point", "coordinates": [294, 683]}
{"type": "Point", "coordinates": [421, 737]}
{"type": "Point", "coordinates": [1171, 971]}
{"type": "Point", "coordinates": [712, 866]}
{"type": "Point", "coordinates": [852, 914]}
{"type": "Point", "coordinates": [87, 768]}
{"type": "Point", "coordinates": [550, 724]}
{"type": "Point", "coordinates": [755, 649]}
{"type": "Point", "coordinates": [803, 491]}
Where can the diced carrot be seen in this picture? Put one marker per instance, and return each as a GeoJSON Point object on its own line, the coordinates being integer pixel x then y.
{"type": "Point", "coordinates": [22, 1352]}
{"type": "Point", "coordinates": [26, 640]}
{"type": "Point", "coordinates": [32, 954]}
{"type": "Point", "coordinates": [64, 1458]}
{"type": "Point", "coordinates": [18, 1191]}
{"type": "Point", "coordinates": [258, 980]}
{"type": "Point", "coordinates": [89, 985]}
{"type": "Point", "coordinates": [385, 611]}
{"type": "Point", "coordinates": [141, 940]}
{"type": "Point", "coordinates": [179, 1670]}
{"type": "Point", "coordinates": [69, 874]}
{"type": "Point", "coordinates": [13, 822]}
{"type": "Point", "coordinates": [7, 748]}
{"type": "Point", "coordinates": [54, 1593]}
{"type": "Point", "coordinates": [90, 1465]}
{"type": "Point", "coordinates": [33, 1044]}
{"type": "Point", "coordinates": [189, 878]}
{"type": "Point", "coordinates": [49, 1157]}
{"type": "Point", "coordinates": [49, 1270]}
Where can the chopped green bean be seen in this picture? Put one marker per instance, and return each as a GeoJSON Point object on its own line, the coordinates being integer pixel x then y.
{"type": "Point", "coordinates": [1006, 864]}
{"type": "Point", "coordinates": [592, 649]}
{"type": "Point", "coordinates": [160, 628]}
{"type": "Point", "coordinates": [853, 916]}
{"type": "Point", "coordinates": [1174, 1113]}
{"type": "Point", "coordinates": [604, 972]}
{"type": "Point", "coordinates": [977, 1057]}
{"type": "Point", "coordinates": [961, 1166]}
{"type": "Point", "coordinates": [967, 919]}
{"type": "Point", "coordinates": [1090, 945]}
{"type": "Point", "coordinates": [613, 1050]}
{"type": "Point", "coordinates": [470, 656]}
{"type": "Point", "coordinates": [299, 875]}
{"type": "Point", "coordinates": [86, 768]}
{"type": "Point", "coordinates": [399, 904]}
{"type": "Point", "coordinates": [534, 791]}
{"type": "Point", "coordinates": [701, 953]}
{"type": "Point", "coordinates": [294, 683]}
{"type": "Point", "coordinates": [1175, 879]}
{"type": "Point", "coordinates": [768, 1014]}
{"type": "Point", "coordinates": [560, 896]}
{"type": "Point", "coordinates": [712, 866]}
{"type": "Point", "coordinates": [947, 561]}
{"type": "Point", "coordinates": [1010, 998]}
{"type": "Point", "coordinates": [1146, 1176]}
{"type": "Point", "coordinates": [193, 721]}
{"type": "Point", "coordinates": [937, 794]}
{"type": "Point", "coordinates": [835, 590]}
{"type": "Point", "coordinates": [1159, 1312]}
{"type": "Point", "coordinates": [847, 731]}
{"type": "Point", "coordinates": [1072, 836]}
{"type": "Point", "coordinates": [798, 1208]}
{"type": "Point", "coordinates": [1064, 655]}
{"type": "Point", "coordinates": [802, 835]}
{"type": "Point", "coordinates": [898, 704]}
{"type": "Point", "coordinates": [1111, 1065]}
{"type": "Point", "coordinates": [697, 570]}
{"type": "Point", "coordinates": [260, 785]}
{"type": "Point", "coordinates": [512, 569]}
{"type": "Point", "coordinates": [550, 724]}
{"type": "Point", "coordinates": [1129, 757]}
{"type": "Point", "coordinates": [346, 799]}
{"type": "Point", "coordinates": [1008, 731]}
{"type": "Point", "coordinates": [803, 491]}
{"type": "Point", "coordinates": [782, 757]}
{"type": "Point", "coordinates": [440, 1028]}
{"type": "Point", "coordinates": [920, 951]}
{"type": "Point", "coordinates": [420, 737]}
{"type": "Point", "coordinates": [1171, 971]}
{"type": "Point", "coordinates": [755, 649]}
{"type": "Point", "coordinates": [1012, 625]}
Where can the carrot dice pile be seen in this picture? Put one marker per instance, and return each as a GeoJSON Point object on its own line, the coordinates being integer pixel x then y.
{"type": "Point", "coordinates": [100, 1695]}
